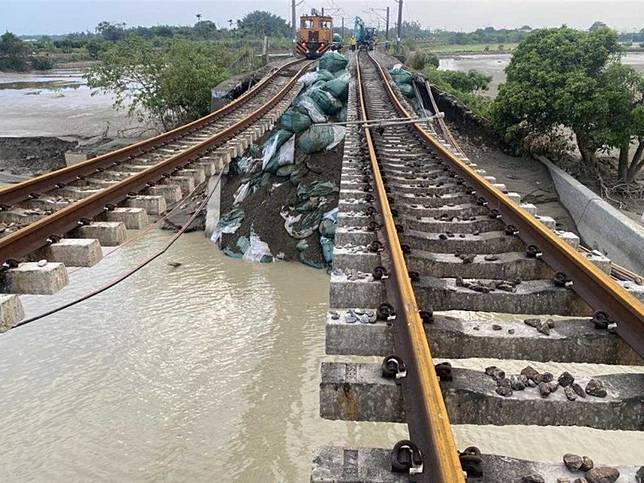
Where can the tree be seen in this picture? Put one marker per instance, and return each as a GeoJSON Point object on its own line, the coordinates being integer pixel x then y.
{"type": "Point", "coordinates": [568, 78]}
{"type": "Point", "coordinates": [112, 32]}
{"type": "Point", "coordinates": [551, 81]}
{"type": "Point", "coordinates": [205, 29]}
{"type": "Point", "coordinates": [597, 26]}
{"type": "Point", "coordinates": [261, 23]}
{"type": "Point", "coordinates": [169, 84]}
{"type": "Point", "coordinates": [14, 53]}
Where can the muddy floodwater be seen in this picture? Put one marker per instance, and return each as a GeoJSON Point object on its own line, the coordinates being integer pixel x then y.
{"type": "Point", "coordinates": [495, 64]}
{"type": "Point", "coordinates": [56, 103]}
{"type": "Point", "coordinates": [208, 371]}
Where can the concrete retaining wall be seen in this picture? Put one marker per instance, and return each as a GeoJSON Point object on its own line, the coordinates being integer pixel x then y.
{"type": "Point", "coordinates": [601, 226]}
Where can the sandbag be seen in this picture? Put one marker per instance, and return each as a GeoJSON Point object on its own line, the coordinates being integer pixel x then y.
{"type": "Point", "coordinates": [320, 138]}
{"type": "Point", "coordinates": [338, 88]}
{"type": "Point", "coordinates": [295, 121]}
{"type": "Point", "coordinates": [309, 78]}
{"type": "Point", "coordinates": [312, 109]}
{"type": "Point", "coordinates": [283, 157]}
{"type": "Point", "coordinates": [333, 61]}
{"type": "Point", "coordinates": [407, 90]}
{"type": "Point", "coordinates": [327, 248]}
{"type": "Point", "coordinates": [273, 144]}
{"type": "Point", "coordinates": [400, 75]}
{"type": "Point", "coordinates": [327, 103]}
{"type": "Point", "coordinates": [324, 75]}
{"type": "Point", "coordinates": [328, 224]}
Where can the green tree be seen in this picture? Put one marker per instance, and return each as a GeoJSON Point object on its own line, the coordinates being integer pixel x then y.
{"type": "Point", "coordinates": [168, 85]}
{"type": "Point", "coordinates": [112, 32]}
{"type": "Point", "coordinates": [552, 81]}
{"type": "Point", "coordinates": [14, 54]}
{"type": "Point", "coordinates": [597, 26]}
{"type": "Point", "coordinates": [205, 29]}
{"type": "Point", "coordinates": [261, 23]}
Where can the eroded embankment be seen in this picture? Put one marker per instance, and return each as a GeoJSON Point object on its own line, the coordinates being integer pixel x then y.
{"type": "Point", "coordinates": [279, 199]}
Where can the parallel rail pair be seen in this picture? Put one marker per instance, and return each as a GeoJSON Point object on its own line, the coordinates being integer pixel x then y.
{"type": "Point", "coordinates": [37, 234]}
{"type": "Point", "coordinates": [425, 407]}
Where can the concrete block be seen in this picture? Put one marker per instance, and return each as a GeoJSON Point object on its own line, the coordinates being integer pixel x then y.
{"type": "Point", "coordinates": [530, 208]}
{"type": "Point", "coordinates": [133, 218]}
{"type": "Point", "coordinates": [30, 278]}
{"type": "Point", "coordinates": [74, 252]}
{"type": "Point", "coordinates": [153, 205]}
{"type": "Point", "coordinates": [11, 312]}
{"type": "Point", "coordinates": [108, 233]}
{"type": "Point", "coordinates": [186, 183]}
{"type": "Point", "coordinates": [449, 337]}
{"type": "Point", "coordinates": [515, 197]}
{"type": "Point", "coordinates": [601, 225]}
{"type": "Point", "coordinates": [350, 465]}
{"type": "Point", "coordinates": [170, 192]}
{"type": "Point", "coordinates": [358, 392]}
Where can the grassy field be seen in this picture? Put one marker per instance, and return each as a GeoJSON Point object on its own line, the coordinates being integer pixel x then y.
{"type": "Point", "coordinates": [469, 48]}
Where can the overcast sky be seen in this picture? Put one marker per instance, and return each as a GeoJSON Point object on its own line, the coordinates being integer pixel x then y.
{"type": "Point", "coordinates": [62, 16]}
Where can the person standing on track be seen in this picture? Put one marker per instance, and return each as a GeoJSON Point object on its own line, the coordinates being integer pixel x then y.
{"type": "Point", "coordinates": [353, 43]}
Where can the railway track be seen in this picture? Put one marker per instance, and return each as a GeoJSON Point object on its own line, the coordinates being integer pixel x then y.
{"type": "Point", "coordinates": [65, 216]}
{"type": "Point", "coordinates": [434, 260]}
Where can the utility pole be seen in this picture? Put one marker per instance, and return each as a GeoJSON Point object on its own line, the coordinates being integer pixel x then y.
{"type": "Point", "coordinates": [400, 6]}
{"type": "Point", "coordinates": [343, 30]}
{"type": "Point", "coordinates": [323, 11]}
{"type": "Point", "coordinates": [387, 27]}
{"type": "Point", "coordinates": [293, 24]}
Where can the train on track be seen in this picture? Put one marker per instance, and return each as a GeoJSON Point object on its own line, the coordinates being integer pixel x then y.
{"type": "Point", "coordinates": [315, 35]}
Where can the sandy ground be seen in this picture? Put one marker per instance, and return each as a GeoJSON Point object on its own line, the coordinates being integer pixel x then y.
{"type": "Point", "coordinates": [522, 175]}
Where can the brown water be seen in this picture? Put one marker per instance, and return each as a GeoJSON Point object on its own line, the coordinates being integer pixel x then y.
{"type": "Point", "coordinates": [56, 103]}
{"type": "Point", "coordinates": [204, 372]}
{"type": "Point", "coordinates": [495, 64]}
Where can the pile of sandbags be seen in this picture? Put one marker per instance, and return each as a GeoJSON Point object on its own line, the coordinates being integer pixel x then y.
{"type": "Point", "coordinates": [403, 80]}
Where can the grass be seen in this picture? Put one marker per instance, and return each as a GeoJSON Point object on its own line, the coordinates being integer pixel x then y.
{"type": "Point", "coordinates": [469, 48]}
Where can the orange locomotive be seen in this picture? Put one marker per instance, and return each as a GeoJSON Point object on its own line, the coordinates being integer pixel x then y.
{"type": "Point", "coordinates": [315, 36]}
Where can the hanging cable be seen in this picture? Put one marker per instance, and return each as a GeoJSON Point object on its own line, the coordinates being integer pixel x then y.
{"type": "Point", "coordinates": [131, 271]}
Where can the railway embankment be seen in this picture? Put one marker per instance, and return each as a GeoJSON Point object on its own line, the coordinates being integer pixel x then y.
{"type": "Point", "coordinates": [279, 199]}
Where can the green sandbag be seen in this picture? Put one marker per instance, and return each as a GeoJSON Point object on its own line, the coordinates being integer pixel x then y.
{"type": "Point", "coordinates": [327, 103]}
{"type": "Point", "coordinates": [401, 76]}
{"type": "Point", "coordinates": [327, 248]}
{"type": "Point", "coordinates": [338, 88]}
{"type": "Point", "coordinates": [285, 170]}
{"type": "Point", "coordinates": [324, 75]}
{"type": "Point", "coordinates": [333, 61]}
{"type": "Point", "coordinates": [295, 121]}
{"type": "Point", "coordinates": [320, 138]}
{"type": "Point", "coordinates": [407, 90]}
{"type": "Point", "coordinates": [318, 84]}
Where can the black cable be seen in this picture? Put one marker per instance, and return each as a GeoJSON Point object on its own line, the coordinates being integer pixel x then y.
{"type": "Point", "coordinates": [130, 272]}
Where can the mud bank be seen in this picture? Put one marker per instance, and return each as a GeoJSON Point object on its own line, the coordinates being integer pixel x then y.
{"type": "Point", "coordinates": [31, 156]}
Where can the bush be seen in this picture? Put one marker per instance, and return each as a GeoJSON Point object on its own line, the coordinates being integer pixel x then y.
{"type": "Point", "coordinates": [169, 85]}
{"type": "Point", "coordinates": [463, 85]}
{"type": "Point", "coordinates": [419, 59]}
{"type": "Point", "coordinates": [42, 63]}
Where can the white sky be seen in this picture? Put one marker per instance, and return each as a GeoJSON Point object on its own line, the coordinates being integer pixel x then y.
{"type": "Point", "coordinates": [62, 16]}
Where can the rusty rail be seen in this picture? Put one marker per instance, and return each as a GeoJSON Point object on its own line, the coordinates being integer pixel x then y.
{"type": "Point", "coordinates": [40, 184]}
{"type": "Point", "coordinates": [427, 417]}
{"type": "Point", "coordinates": [36, 235]}
{"type": "Point", "coordinates": [596, 288]}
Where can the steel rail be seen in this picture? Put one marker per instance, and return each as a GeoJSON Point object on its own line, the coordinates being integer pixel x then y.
{"type": "Point", "coordinates": [595, 287]}
{"type": "Point", "coordinates": [427, 417]}
{"type": "Point", "coordinates": [35, 235]}
{"type": "Point", "coordinates": [21, 191]}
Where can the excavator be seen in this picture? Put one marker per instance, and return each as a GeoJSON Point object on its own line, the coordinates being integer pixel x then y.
{"type": "Point", "coordinates": [365, 36]}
